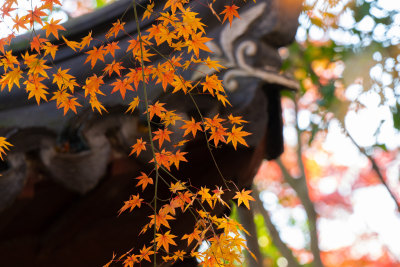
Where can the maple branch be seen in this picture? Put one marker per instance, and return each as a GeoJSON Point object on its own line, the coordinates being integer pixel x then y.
{"type": "Point", "coordinates": [376, 168]}
{"type": "Point", "coordinates": [149, 129]}
{"type": "Point", "coordinates": [273, 232]}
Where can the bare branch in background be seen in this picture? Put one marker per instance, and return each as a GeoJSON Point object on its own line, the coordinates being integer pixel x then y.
{"type": "Point", "coordinates": [299, 185]}
{"type": "Point", "coordinates": [376, 168]}
{"type": "Point", "coordinates": [273, 232]}
{"type": "Point", "coordinates": [246, 218]}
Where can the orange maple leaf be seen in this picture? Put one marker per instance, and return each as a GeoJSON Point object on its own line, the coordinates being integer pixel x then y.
{"type": "Point", "coordinates": [164, 240]}
{"type": "Point", "coordinates": [121, 86]}
{"type": "Point", "coordinates": [236, 135]}
{"type": "Point", "coordinates": [217, 134]}
{"type": "Point", "coordinates": [161, 219]}
{"type": "Point", "coordinates": [72, 44]}
{"type": "Point", "coordinates": [86, 40]}
{"type": "Point", "coordinates": [138, 147]}
{"type": "Point", "coordinates": [116, 27]}
{"type": "Point", "coordinates": [134, 201]}
{"type": "Point", "coordinates": [3, 146]}
{"type": "Point", "coordinates": [161, 135]}
{"type": "Point", "coordinates": [144, 180]}
{"type": "Point", "coordinates": [197, 42]}
{"type": "Point", "coordinates": [191, 126]}
{"type": "Point", "coordinates": [53, 27]}
{"type": "Point", "coordinates": [244, 197]}
{"type": "Point", "coordinates": [230, 12]}
{"type": "Point", "coordinates": [133, 104]}
{"type": "Point", "coordinates": [146, 252]}
{"type": "Point", "coordinates": [95, 54]}
{"type": "Point", "coordinates": [156, 109]}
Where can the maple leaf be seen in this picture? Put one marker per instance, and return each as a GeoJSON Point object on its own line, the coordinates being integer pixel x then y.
{"type": "Point", "coordinates": [195, 235]}
{"type": "Point", "coordinates": [50, 48]}
{"type": "Point", "coordinates": [95, 103]}
{"type": "Point", "coordinates": [212, 83]}
{"type": "Point", "coordinates": [72, 44]}
{"type": "Point", "coordinates": [197, 42]}
{"type": "Point", "coordinates": [163, 159]}
{"type": "Point", "coordinates": [8, 60]}
{"type": "Point", "coordinates": [214, 122]}
{"type": "Point", "coordinates": [179, 255]}
{"type": "Point", "coordinates": [217, 134]}
{"type": "Point", "coordinates": [138, 147]}
{"type": "Point", "coordinates": [213, 64]}
{"type": "Point", "coordinates": [92, 85]}
{"type": "Point", "coordinates": [144, 180]}
{"type": "Point", "coordinates": [34, 15]}
{"type": "Point", "coordinates": [10, 78]}
{"type": "Point", "coordinates": [86, 41]}
{"type": "Point", "coordinates": [6, 9]}
{"type": "Point", "coordinates": [116, 27]}
{"type": "Point", "coordinates": [121, 86]}
{"type": "Point", "coordinates": [3, 146]}
{"type": "Point", "coordinates": [205, 196]}
{"type": "Point", "coordinates": [177, 186]}
{"type": "Point", "coordinates": [53, 27]}
{"type": "Point", "coordinates": [133, 105]}
{"type": "Point", "coordinates": [114, 67]}
{"type": "Point", "coordinates": [156, 109]}
{"type": "Point", "coordinates": [36, 88]}
{"type": "Point", "coordinates": [95, 54]}
{"type": "Point", "coordinates": [177, 157]}
{"type": "Point", "coordinates": [131, 260]}
{"type": "Point", "coordinates": [230, 12]}
{"type": "Point", "coordinates": [169, 117]}
{"type": "Point", "coordinates": [134, 201]}
{"type": "Point", "coordinates": [161, 219]}
{"type": "Point", "coordinates": [48, 4]}
{"type": "Point", "coordinates": [164, 240]}
{"type": "Point", "coordinates": [181, 84]}
{"type": "Point", "coordinates": [149, 10]}
{"type": "Point", "coordinates": [111, 47]}
{"type": "Point", "coordinates": [236, 135]}
{"type": "Point", "coordinates": [145, 253]}
{"type": "Point", "coordinates": [161, 135]}
{"type": "Point", "coordinates": [61, 78]}
{"type": "Point", "coordinates": [191, 126]}
{"type": "Point", "coordinates": [36, 43]}
{"type": "Point", "coordinates": [174, 4]}
{"type": "Point", "coordinates": [244, 197]}
{"type": "Point", "coordinates": [19, 23]}
{"type": "Point", "coordinates": [236, 120]}
{"type": "Point", "coordinates": [70, 103]}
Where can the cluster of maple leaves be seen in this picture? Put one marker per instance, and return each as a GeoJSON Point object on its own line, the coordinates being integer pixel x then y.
{"type": "Point", "coordinates": [183, 31]}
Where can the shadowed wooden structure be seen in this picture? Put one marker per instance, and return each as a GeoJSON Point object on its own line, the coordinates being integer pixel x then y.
{"type": "Point", "coordinates": [67, 176]}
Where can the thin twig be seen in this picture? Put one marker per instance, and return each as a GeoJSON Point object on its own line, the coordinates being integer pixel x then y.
{"type": "Point", "coordinates": [149, 129]}
{"type": "Point", "coordinates": [376, 168]}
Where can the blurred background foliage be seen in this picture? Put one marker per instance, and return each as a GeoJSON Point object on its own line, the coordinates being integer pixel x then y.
{"type": "Point", "coordinates": [334, 194]}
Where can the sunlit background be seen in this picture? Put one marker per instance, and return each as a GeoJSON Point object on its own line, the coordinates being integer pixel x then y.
{"type": "Point", "coordinates": [358, 219]}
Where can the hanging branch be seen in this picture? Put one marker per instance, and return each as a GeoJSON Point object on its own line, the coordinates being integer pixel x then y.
{"type": "Point", "coordinates": [273, 232]}
{"type": "Point", "coordinates": [376, 168]}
